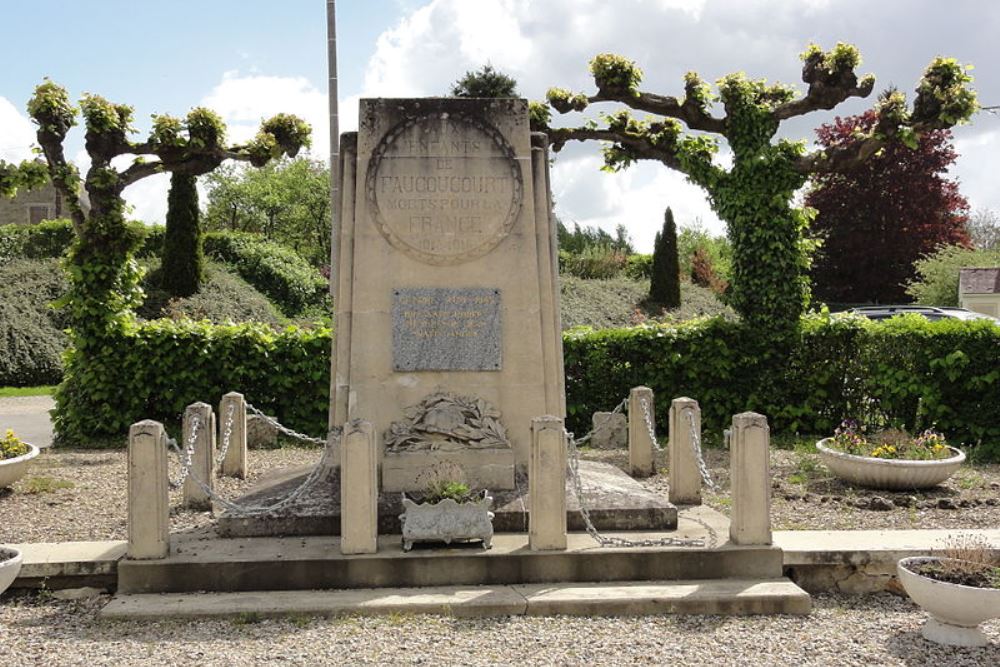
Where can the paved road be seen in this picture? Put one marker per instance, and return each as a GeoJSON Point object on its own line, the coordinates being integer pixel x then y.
{"type": "Point", "coordinates": [29, 417]}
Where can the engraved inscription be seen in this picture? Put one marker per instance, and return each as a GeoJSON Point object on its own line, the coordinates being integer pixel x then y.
{"type": "Point", "coordinates": [446, 329]}
{"type": "Point", "coordinates": [444, 188]}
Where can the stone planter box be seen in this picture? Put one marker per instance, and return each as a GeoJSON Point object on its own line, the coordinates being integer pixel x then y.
{"type": "Point", "coordinates": [13, 469]}
{"type": "Point", "coordinates": [889, 474]}
{"type": "Point", "coordinates": [955, 610]}
{"type": "Point", "coordinates": [447, 521]}
{"type": "Point", "coordinates": [10, 565]}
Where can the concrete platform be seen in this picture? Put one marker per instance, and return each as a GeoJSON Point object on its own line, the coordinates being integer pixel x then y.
{"type": "Point", "coordinates": [197, 563]}
{"type": "Point", "coordinates": [616, 502]}
{"type": "Point", "coordinates": [57, 565]}
{"type": "Point", "coordinates": [730, 596]}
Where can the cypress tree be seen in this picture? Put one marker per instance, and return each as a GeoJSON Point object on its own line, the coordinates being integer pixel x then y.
{"type": "Point", "coordinates": [183, 256]}
{"type": "Point", "coordinates": [665, 285]}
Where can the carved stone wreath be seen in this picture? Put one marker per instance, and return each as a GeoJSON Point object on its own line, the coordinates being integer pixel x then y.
{"type": "Point", "coordinates": [446, 422]}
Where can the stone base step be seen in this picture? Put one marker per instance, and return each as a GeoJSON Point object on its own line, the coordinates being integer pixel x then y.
{"type": "Point", "coordinates": [718, 596]}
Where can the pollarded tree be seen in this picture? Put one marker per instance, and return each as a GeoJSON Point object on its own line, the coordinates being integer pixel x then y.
{"type": "Point", "coordinates": [104, 276]}
{"type": "Point", "coordinates": [878, 219]}
{"type": "Point", "coordinates": [754, 197]}
{"type": "Point", "coordinates": [665, 282]}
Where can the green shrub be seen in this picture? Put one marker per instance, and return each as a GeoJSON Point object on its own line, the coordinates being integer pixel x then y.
{"type": "Point", "coordinates": [936, 283]}
{"type": "Point", "coordinates": [639, 267]}
{"type": "Point", "coordinates": [596, 262]}
{"type": "Point", "coordinates": [32, 341]}
{"type": "Point", "coordinates": [279, 273]}
{"type": "Point", "coordinates": [665, 279]}
{"type": "Point", "coordinates": [224, 298]}
{"type": "Point", "coordinates": [155, 369]}
{"type": "Point", "coordinates": [44, 240]}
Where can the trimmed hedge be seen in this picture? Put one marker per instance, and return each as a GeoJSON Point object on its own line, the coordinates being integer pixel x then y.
{"type": "Point", "coordinates": [42, 241]}
{"type": "Point", "coordinates": [157, 368]}
{"type": "Point", "coordinates": [834, 368]}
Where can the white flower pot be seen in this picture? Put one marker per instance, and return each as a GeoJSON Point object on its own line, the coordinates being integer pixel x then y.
{"type": "Point", "coordinates": [447, 521]}
{"type": "Point", "coordinates": [955, 610]}
{"type": "Point", "coordinates": [889, 474]}
{"type": "Point", "coordinates": [13, 469]}
{"type": "Point", "coordinates": [10, 565]}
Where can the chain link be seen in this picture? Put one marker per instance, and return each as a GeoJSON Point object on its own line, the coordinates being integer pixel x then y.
{"type": "Point", "coordinates": [648, 418]}
{"type": "Point", "coordinates": [696, 449]}
{"type": "Point", "coordinates": [609, 541]}
{"type": "Point", "coordinates": [284, 429]}
{"type": "Point", "coordinates": [227, 434]}
{"type": "Point", "coordinates": [186, 457]}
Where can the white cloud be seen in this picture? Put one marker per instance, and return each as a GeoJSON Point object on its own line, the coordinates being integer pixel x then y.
{"type": "Point", "coordinates": [17, 133]}
{"type": "Point", "coordinates": [244, 100]}
{"type": "Point", "coordinates": [977, 183]}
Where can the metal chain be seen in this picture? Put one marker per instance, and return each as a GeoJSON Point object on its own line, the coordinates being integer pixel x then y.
{"type": "Point", "coordinates": [284, 429]}
{"type": "Point", "coordinates": [186, 457]}
{"type": "Point", "coordinates": [227, 435]}
{"type": "Point", "coordinates": [648, 418]}
{"type": "Point", "coordinates": [250, 510]}
{"type": "Point", "coordinates": [696, 449]}
{"type": "Point", "coordinates": [608, 541]}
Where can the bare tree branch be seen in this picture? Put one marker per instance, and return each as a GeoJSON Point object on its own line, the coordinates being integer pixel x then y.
{"type": "Point", "coordinates": [825, 92]}
{"type": "Point", "coordinates": [638, 147]}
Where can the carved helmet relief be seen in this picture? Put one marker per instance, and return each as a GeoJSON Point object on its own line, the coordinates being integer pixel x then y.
{"type": "Point", "coordinates": [446, 422]}
{"type": "Point", "coordinates": [444, 188]}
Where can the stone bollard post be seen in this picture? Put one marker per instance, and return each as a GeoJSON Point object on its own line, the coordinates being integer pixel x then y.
{"type": "Point", "coordinates": [359, 489]}
{"type": "Point", "coordinates": [202, 462]}
{"type": "Point", "coordinates": [751, 480]}
{"type": "Point", "coordinates": [148, 502]}
{"type": "Point", "coordinates": [235, 462]}
{"type": "Point", "coordinates": [685, 478]}
{"type": "Point", "coordinates": [640, 448]}
{"type": "Point", "coordinates": [547, 485]}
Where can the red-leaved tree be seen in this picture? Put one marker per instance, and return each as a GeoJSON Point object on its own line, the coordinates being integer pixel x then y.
{"type": "Point", "coordinates": [879, 217]}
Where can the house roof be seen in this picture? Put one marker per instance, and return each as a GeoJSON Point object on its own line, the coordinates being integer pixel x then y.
{"type": "Point", "coordinates": [979, 281]}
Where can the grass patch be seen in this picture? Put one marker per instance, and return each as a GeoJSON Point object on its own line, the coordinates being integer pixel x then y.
{"type": "Point", "coordinates": [247, 618]}
{"type": "Point", "coordinates": [44, 390]}
{"type": "Point", "coordinates": [46, 485]}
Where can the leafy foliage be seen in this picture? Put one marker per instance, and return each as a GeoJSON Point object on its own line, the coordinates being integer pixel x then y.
{"type": "Point", "coordinates": [287, 201]}
{"type": "Point", "coordinates": [153, 370]}
{"type": "Point", "coordinates": [32, 341]}
{"type": "Point", "coordinates": [771, 255]}
{"type": "Point", "coordinates": [485, 82]}
{"type": "Point", "coordinates": [45, 240]}
{"type": "Point", "coordinates": [281, 274]}
{"type": "Point", "coordinates": [936, 282]}
{"type": "Point", "coordinates": [876, 220]}
{"type": "Point", "coordinates": [665, 285]}
{"type": "Point", "coordinates": [183, 248]}
{"type": "Point", "coordinates": [579, 239]}
{"type": "Point", "coordinates": [833, 367]}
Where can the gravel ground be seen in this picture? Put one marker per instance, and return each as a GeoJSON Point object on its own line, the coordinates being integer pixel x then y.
{"type": "Point", "coordinates": [92, 504]}
{"type": "Point", "coordinates": [869, 630]}
{"type": "Point", "coordinates": [806, 497]}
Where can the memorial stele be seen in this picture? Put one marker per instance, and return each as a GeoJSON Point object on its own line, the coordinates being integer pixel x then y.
{"type": "Point", "coordinates": [447, 330]}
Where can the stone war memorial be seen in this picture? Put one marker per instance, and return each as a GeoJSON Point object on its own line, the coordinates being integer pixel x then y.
{"type": "Point", "coordinates": [447, 372]}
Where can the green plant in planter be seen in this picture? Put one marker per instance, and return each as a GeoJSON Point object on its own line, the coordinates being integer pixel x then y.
{"type": "Point", "coordinates": [11, 446]}
{"type": "Point", "coordinates": [442, 489]}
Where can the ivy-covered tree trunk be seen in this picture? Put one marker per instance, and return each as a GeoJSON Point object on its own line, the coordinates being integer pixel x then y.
{"type": "Point", "coordinates": [665, 283]}
{"type": "Point", "coordinates": [183, 255]}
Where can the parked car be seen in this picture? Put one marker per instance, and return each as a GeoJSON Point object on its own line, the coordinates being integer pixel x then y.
{"type": "Point", "coordinates": [930, 312]}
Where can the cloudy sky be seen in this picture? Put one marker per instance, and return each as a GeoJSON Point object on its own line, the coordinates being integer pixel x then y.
{"type": "Point", "coordinates": [251, 58]}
